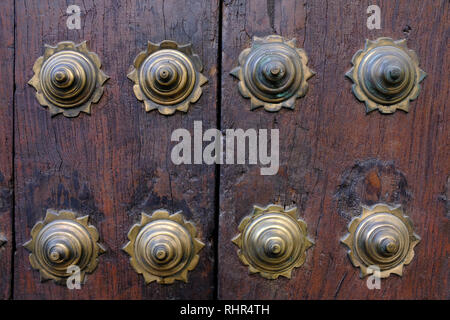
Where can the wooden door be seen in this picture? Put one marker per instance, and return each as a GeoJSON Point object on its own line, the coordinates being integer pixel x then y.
{"type": "Point", "coordinates": [333, 156]}
{"type": "Point", "coordinates": [116, 162]}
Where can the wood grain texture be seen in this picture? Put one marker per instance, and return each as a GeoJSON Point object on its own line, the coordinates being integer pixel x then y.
{"type": "Point", "coordinates": [334, 156]}
{"type": "Point", "coordinates": [116, 162]}
{"type": "Point", "coordinates": [6, 143]}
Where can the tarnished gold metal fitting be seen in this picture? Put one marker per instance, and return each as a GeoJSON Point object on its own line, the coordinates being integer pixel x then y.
{"type": "Point", "coordinates": [68, 79]}
{"type": "Point", "coordinates": [272, 241]}
{"type": "Point", "coordinates": [2, 240]}
{"type": "Point", "coordinates": [381, 240]}
{"type": "Point", "coordinates": [386, 75]}
{"type": "Point", "coordinates": [163, 247]}
{"type": "Point", "coordinates": [167, 77]}
{"type": "Point", "coordinates": [273, 73]}
{"type": "Point", "coordinates": [63, 241]}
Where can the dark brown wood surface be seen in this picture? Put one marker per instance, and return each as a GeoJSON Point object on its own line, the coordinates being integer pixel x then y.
{"type": "Point", "coordinates": [6, 142]}
{"type": "Point", "coordinates": [334, 156]}
{"type": "Point", "coordinates": [116, 162]}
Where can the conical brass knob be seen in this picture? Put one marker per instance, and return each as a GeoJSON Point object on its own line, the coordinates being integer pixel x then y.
{"type": "Point", "coordinates": [68, 79]}
{"type": "Point", "coordinates": [60, 241]}
{"type": "Point", "coordinates": [272, 241]}
{"type": "Point", "coordinates": [386, 75]}
{"type": "Point", "coordinates": [163, 247]}
{"type": "Point", "coordinates": [273, 73]}
{"type": "Point", "coordinates": [167, 76]}
{"type": "Point", "coordinates": [381, 238]}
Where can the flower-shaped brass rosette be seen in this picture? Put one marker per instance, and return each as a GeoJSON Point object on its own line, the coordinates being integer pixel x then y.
{"type": "Point", "coordinates": [273, 73]}
{"type": "Point", "coordinates": [68, 79]}
{"type": "Point", "coordinates": [381, 239]}
{"type": "Point", "coordinates": [272, 241]}
{"type": "Point", "coordinates": [386, 75]}
{"type": "Point", "coordinates": [167, 76]}
{"type": "Point", "coordinates": [163, 247]}
{"type": "Point", "coordinates": [60, 241]}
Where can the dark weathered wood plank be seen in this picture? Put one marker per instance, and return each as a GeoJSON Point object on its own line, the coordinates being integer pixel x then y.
{"type": "Point", "coordinates": [6, 144]}
{"type": "Point", "coordinates": [116, 162]}
{"type": "Point", "coordinates": [328, 139]}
